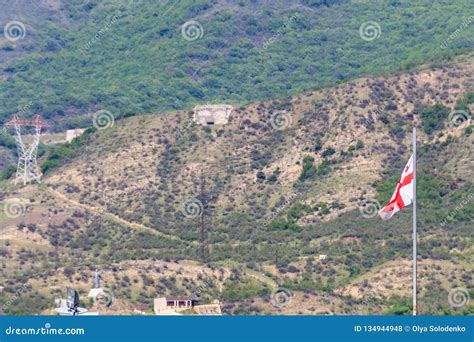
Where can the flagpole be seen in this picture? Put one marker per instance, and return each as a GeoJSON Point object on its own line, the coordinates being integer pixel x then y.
{"type": "Point", "coordinates": [414, 221]}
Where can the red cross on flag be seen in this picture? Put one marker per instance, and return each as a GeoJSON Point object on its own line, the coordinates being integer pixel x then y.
{"type": "Point", "coordinates": [403, 194]}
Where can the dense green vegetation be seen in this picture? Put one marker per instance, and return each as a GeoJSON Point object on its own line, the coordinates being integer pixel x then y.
{"type": "Point", "coordinates": [238, 289]}
{"type": "Point", "coordinates": [308, 168]}
{"type": "Point", "coordinates": [437, 117]}
{"type": "Point", "coordinates": [465, 102]}
{"type": "Point", "coordinates": [57, 155]}
{"type": "Point", "coordinates": [249, 49]}
{"type": "Point", "coordinates": [8, 172]}
{"type": "Point", "coordinates": [434, 118]}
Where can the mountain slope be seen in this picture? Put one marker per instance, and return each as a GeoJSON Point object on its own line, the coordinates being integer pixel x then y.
{"type": "Point", "coordinates": [132, 56]}
{"type": "Point", "coordinates": [286, 181]}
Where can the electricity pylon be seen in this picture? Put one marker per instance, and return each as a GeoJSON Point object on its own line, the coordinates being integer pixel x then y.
{"type": "Point", "coordinates": [27, 170]}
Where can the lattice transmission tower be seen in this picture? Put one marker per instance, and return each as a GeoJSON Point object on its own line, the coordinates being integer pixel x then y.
{"type": "Point", "coordinates": [27, 170]}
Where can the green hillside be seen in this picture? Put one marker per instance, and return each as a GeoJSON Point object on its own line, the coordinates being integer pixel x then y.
{"type": "Point", "coordinates": [285, 193]}
{"type": "Point", "coordinates": [274, 201]}
{"type": "Point", "coordinates": [131, 57]}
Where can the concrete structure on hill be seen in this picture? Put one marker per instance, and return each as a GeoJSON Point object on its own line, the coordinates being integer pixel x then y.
{"type": "Point", "coordinates": [212, 114]}
{"type": "Point", "coordinates": [73, 133]}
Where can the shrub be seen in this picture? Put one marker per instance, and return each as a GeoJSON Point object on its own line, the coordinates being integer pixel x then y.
{"type": "Point", "coordinates": [434, 118]}
{"type": "Point", "coordinates": [274, 176]}
{"type": "Point", "coordinates": [318, 145]}
{"type": "Point", "coordinates": [236, 291]}
{"type": "Point", "coordinates": [323, 169]}
{"type": "Point", "coordinates": [469, 130]}
{"type": "Point", "coordinates": [328, 152]}
{"type": "Point", "coordinates": [8, 172]}
{"type": "Point", "coordinates": [309, 170]}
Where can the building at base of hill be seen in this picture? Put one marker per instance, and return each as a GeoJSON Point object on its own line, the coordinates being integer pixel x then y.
{"type": "Point", "coordinates": [175, 305]}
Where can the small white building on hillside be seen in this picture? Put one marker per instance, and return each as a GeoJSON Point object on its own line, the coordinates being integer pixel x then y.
{"type": "Point", "coordinates": [212, 114]}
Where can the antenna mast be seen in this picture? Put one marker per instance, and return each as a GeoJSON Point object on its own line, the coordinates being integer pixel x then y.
{"type": "Point", "coordinates": [203, 243]}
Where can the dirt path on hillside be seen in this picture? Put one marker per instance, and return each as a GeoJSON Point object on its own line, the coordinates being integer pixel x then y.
{"type": "Point", "coordinates": [113, 217]}
{"type": "Point", "coordinates": [264, 279]}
